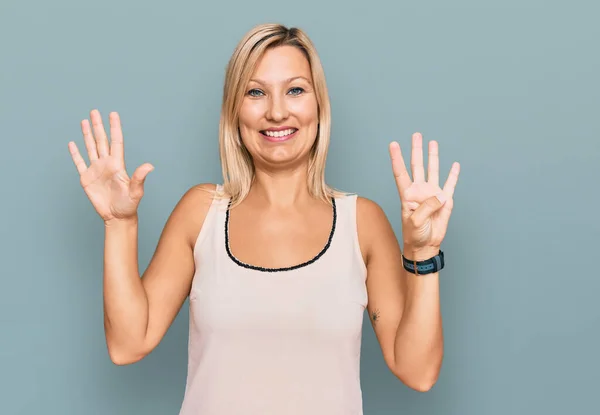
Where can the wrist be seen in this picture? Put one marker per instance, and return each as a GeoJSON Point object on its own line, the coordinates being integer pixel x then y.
{"type": "Point", "coordinates": [121, 222]}
{"type": "Point", "coordinates": [420, 253]}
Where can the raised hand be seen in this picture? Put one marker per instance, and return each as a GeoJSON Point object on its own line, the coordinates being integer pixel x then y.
{"type": "Point", "coordinates": [426, 207]}
{"type": "Point", "coordinates": [114, 195]}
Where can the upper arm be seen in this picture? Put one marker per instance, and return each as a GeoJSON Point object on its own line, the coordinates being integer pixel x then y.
{"type": "Point", "coordinates": [168, 278]}
{"type": "Point", "coordinates": [385, 277]}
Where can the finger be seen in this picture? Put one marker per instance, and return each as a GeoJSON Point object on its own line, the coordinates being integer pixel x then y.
{"type": "Point", "coordinates": [99, 134]}
{"type": "Point", "coordinates": [416, 161]}
{"type": "Point", "coordinates": [450, 184]}
{"type": "Point", "coordinates": [88, 139]}
{"type": "Point", "coordinates": [401, 175]}
{"type": "Point", "coordinates": [427, 208]}
{"type": "Point", "coordinates": [116, 136]}
{"type": "Point", "coordinates": [433, 164]}
{"type": "Point", "coordinates": [138, 178]}
{"type": "Point", "coordinates": [77, 159]}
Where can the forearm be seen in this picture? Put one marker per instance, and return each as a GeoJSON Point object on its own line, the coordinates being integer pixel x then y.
{"type": "Point", "coordinates": [419, 338]}
{"type": "Point", "coordinates": [125, 300]}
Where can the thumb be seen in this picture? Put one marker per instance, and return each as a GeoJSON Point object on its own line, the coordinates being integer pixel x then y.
{"type": "Point", "coordinates": [136, 187]}
{"type": "Point", "coordinates": [428, 208]}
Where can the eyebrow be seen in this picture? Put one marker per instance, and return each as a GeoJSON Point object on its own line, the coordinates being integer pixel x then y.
{"type": "Point", "coordinates": [286, 81]}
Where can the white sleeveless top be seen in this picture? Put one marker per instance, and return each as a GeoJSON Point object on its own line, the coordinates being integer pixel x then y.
{"type": "Point", "coordinates": [276, 342]}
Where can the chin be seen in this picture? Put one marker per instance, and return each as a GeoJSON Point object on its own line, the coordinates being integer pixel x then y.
{"type": "Point", "coordinates": [281, 158]}
{"type": "Point", "coordinates": [283, 155]}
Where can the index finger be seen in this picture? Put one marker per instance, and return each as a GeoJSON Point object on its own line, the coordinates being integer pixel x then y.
{"type": "Point", "coordinates": [401, 175]}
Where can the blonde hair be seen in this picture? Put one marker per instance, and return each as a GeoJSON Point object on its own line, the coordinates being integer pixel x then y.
{"type": "Point", "coordinates": [237, 166]}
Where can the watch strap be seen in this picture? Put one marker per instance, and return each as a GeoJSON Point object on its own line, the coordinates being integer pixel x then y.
{"type": "Point", "coordinates": [427, 266]}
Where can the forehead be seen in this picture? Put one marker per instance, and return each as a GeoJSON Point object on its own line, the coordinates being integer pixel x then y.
{"type": "Point", "coordinates": [280, 63]}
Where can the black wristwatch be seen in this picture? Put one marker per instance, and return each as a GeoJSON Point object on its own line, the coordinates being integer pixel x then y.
{"type": "Point", "coordinates": [427, 266]}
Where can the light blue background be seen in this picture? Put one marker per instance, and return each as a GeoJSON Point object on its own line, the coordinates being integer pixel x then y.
{"type": "Point", "coordinates": [510, 89]}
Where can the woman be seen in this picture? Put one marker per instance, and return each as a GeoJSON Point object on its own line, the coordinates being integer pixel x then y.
{"type": "Point", "coordinates": [277, 265]}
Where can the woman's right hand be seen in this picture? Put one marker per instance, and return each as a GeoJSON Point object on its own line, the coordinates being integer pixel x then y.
{"type": "Point", "coordinates": [114, 195]}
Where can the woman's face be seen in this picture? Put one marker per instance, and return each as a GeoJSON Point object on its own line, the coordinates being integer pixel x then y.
{"type": "Point", "coordinates": [279, 113]}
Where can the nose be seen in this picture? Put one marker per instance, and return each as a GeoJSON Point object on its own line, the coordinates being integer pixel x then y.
{"type": "Point", "coordinates": [277, 110]}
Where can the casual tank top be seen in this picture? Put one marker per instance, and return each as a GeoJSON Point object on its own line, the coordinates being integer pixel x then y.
{"type": "Point", "coordinates": [282, 341]}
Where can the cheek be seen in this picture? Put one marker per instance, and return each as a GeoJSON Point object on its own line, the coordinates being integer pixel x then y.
{"type": "Point", "coordinates": [250, 114]}
{"type": "Point", "coordinates": [306, 112]}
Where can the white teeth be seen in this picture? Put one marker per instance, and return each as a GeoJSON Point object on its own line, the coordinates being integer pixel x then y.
{"type": "Point", "coordinates": [280, 133]}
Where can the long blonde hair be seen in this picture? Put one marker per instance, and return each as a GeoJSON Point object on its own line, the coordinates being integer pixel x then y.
{"type": "Point", "coordinates": [236, 162]}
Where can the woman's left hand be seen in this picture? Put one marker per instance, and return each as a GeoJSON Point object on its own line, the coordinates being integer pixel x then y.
{"type": "Point", "coordinates": [426, 207]}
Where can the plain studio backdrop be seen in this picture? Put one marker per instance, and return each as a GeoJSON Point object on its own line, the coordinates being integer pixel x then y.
{"type": "Point", "coordinates": [510, 89]}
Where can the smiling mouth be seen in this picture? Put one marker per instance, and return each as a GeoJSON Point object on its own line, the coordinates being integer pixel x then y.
{"type": "Point", "coordinates": [279, 135]}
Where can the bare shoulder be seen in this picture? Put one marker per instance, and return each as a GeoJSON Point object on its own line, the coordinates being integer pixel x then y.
{"type": "Point", "coordinates": [191, 210]}
{"type": "Point", "coordinates": [370, 216]}
{"type": "Point", "coordinates": [367, 209]}
{"type": "Point", "coordinates": [374, 228]}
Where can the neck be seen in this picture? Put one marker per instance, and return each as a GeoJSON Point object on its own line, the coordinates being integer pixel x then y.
{"type": "Point", "coordinates": [281, 189]}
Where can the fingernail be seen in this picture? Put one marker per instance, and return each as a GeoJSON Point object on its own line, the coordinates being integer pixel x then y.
{"type": "Point", "coordinates": [441, 197]}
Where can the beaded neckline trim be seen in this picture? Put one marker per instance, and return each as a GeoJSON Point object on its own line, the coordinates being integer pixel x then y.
{"type": "Point", "coordinates": [290, 268]}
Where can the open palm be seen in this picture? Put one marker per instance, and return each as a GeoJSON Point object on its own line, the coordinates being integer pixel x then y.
{"type": "Point", "coordinates": [112, 192]}
{"type": "Point", "coordinates": [426, 207]}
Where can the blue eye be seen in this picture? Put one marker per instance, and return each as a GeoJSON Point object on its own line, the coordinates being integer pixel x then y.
{"type": "Point", "coordinates": [254, 92]}
{"type": "Point", "coordinates": [297, 90]}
